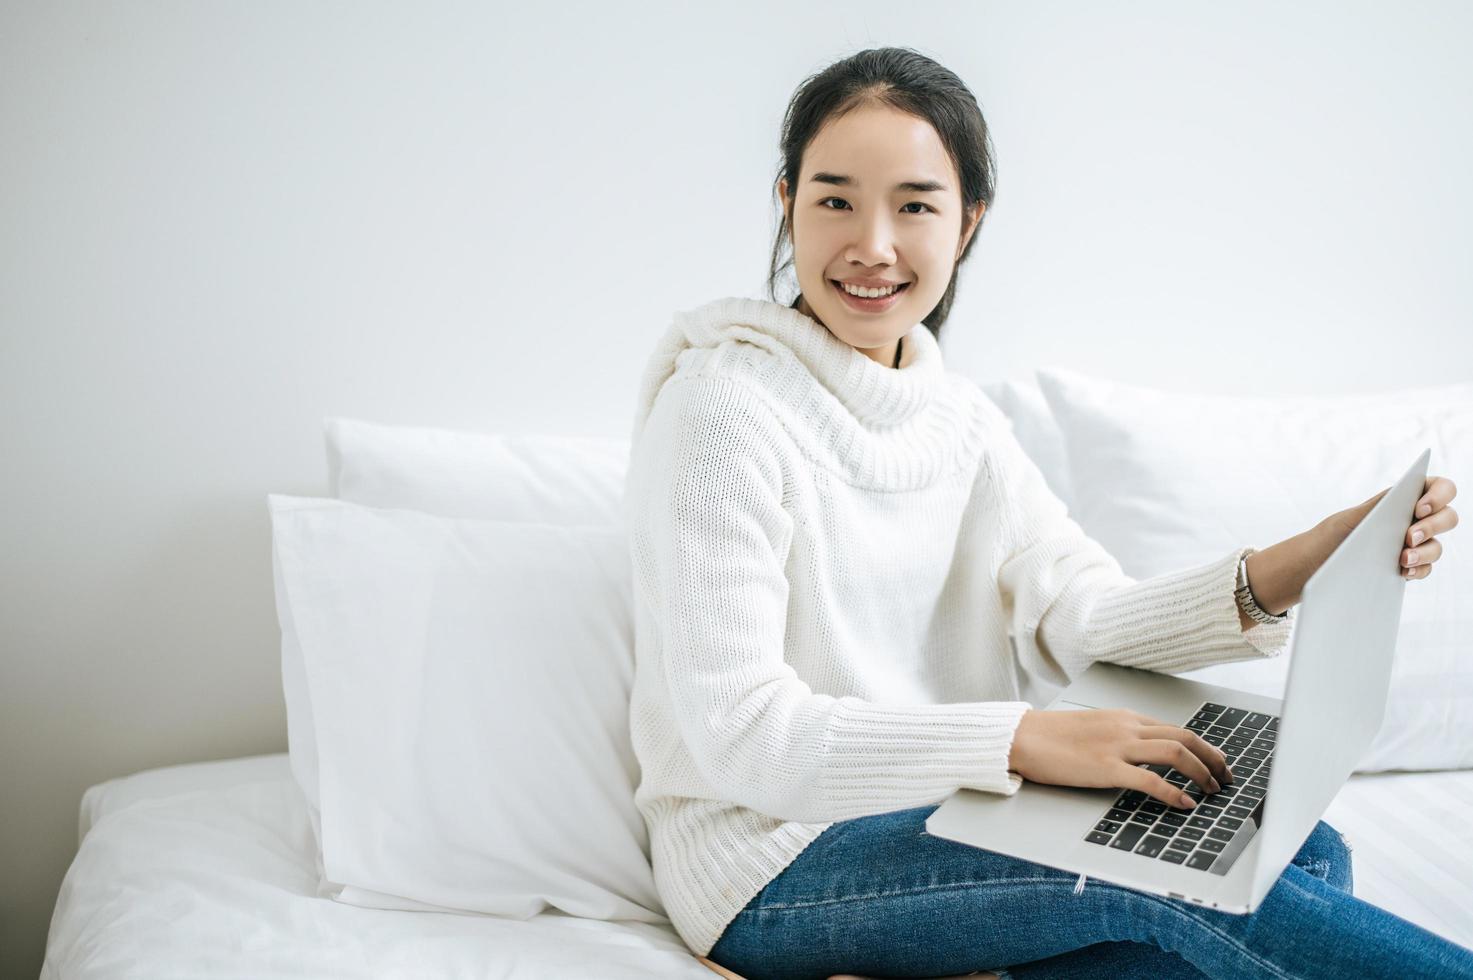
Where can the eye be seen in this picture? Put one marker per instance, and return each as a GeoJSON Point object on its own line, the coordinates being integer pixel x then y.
{"type": "Point", "coordinates": [912, 203]}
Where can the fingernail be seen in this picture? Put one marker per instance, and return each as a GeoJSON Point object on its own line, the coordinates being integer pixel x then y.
{"type": "Point", "coordinates": [1187, 801]}
{"type": "Point", "coordinates": [1424, 510]}
{"type": "Point", "coordinates": [1417, 537]}
{"type": "Point", "coordinates": [1411, 557]}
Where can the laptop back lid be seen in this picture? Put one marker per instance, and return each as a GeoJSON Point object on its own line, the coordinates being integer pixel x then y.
{"type": "Point", "coordinates": [1343, 647]}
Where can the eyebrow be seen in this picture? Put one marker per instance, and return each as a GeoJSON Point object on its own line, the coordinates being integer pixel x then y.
{"type": "Point", "coordinates": [915, 186]}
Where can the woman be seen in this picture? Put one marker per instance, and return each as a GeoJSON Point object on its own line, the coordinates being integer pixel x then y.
{"type": "Point", "coordinates": [832, 538]}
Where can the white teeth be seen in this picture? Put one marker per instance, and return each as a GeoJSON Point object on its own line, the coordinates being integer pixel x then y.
{"type": "Point", "coordinates": [869, 293]}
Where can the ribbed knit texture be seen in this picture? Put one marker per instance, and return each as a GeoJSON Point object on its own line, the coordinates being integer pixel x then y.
{"type": "Point", "coordinates": [829, 555]}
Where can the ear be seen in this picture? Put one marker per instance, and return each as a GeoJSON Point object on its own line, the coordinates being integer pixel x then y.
{"type": "Point", "coordinates": [782, 196]}
{"type": "Point", "coordinates": [972, 222]}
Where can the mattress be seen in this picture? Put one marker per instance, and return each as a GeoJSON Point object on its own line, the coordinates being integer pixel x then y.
{"type": "Point", "coordinates": [208, 870]}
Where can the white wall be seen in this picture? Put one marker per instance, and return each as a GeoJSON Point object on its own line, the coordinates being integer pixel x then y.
{"type": "Point", "coordinates": [219, 223]}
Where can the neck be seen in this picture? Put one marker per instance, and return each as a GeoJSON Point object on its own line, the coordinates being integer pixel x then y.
{"type": "Point", "coordinates": [884, 356]}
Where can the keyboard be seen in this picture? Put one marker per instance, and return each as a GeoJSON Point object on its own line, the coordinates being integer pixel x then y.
{"type": "Point", "coordinates": [1210, 836]}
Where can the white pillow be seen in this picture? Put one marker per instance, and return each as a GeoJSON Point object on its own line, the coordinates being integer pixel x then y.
{"type": "Point", "coordinates": [1166, 480]}
{"type": "Point", "coordinates": [554, 479]}
{"type": "Point", "coordinates": [1038, 433]}
{"type": "Point", "coordinates": [469, 681]}
{"type": "Point", "coordinates": [502, 476]}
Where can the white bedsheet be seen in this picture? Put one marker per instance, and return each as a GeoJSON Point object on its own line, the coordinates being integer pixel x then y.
{"type": "Point", "coordinates": [207, 870]}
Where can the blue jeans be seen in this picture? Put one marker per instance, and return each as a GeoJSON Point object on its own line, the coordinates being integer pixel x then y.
{"type": "Point", "coordinates": [878, 896]}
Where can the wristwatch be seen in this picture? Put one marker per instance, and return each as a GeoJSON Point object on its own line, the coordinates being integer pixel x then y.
{"type": "Point", "coordinates": [1246, 602]}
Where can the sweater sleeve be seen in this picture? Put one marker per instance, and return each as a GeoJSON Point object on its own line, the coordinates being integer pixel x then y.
{"type": "Point", "coordinates": [709, 535]}
{"type": "Point", "coordinates": [1069, 602]}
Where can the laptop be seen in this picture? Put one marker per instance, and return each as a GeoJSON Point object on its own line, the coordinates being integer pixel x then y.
{"type": "Point", "coordinates": [1289, 756]}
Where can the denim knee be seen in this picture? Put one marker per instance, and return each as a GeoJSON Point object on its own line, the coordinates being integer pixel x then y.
{"type": "Point", "coordinates": [1326, 855]}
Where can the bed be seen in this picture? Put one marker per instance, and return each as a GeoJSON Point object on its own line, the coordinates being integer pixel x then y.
{"type": "Point", "coordinates": [213, 869]}
{"type": "Point", "coordinates": [207, 870]}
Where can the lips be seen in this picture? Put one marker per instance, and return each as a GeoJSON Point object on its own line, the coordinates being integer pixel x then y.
{"type": "Point", "coordinates": [864, 304]}
{"type": "Point", "coordinates": [877, 284]}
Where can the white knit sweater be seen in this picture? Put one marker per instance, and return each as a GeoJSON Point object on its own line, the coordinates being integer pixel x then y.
{"type": "Point", "coordinates": [829, 555]}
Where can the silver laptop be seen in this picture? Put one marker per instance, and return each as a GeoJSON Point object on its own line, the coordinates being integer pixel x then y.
{"type": "Point", "coordinates": [1289, 757]}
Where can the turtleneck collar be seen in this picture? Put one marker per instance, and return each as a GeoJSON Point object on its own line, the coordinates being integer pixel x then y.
{"type": "Point", "coordinates": [876, 395]}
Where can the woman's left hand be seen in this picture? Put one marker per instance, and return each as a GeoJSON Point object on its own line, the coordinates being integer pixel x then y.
{"type": "Point", "coordinates": [1430, 517]}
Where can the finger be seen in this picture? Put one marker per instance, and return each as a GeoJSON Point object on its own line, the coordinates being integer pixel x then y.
{"type": "Point", "coordinates": [1134, 777]}
{"type": "Point", "coordinates": [1416, 572]}
{"type": "Point", "coordinates": [1427, 551]}
{"type": "Point", "coordinates": [1168, 751]}
{"type": "Point", "coordinates": [1440, 492]}
{"type": "Point", "coordinates": [1214, 757]}
{"type": "Point", "coordinates": [1442, 520]}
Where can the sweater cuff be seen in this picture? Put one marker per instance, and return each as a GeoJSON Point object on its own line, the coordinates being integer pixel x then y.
{"type": "Point", "coordinates": [1183, 621]}
{"type": "Point", "coordinates": [997, 726]}
{"type": "Point", "coordinates": [933, 750]}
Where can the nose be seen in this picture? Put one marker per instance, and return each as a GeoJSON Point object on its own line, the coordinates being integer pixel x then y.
{"type": "Point", "coordinates": [875, 241]}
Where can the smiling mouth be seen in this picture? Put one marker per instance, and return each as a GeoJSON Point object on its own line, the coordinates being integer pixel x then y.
{"type": "Point", "coordinates": [864, 304]}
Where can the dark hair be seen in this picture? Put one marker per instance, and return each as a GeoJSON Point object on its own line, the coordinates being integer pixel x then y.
{"type": "Point", "coordinates": [911, 82]}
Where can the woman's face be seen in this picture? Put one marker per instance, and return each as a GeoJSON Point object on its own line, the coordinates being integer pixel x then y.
{"type": "Point", "coordinates": [878, 200]}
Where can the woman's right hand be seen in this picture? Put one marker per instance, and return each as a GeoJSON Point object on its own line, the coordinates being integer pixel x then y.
{"type": "Point", "coordinates": [1104, 746]}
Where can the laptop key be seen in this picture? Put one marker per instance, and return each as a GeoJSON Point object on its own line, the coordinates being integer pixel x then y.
{"type": "Point", "coordinates": [1256, 720]}
{"type": "Point", "coordinates": [1201, 823]}
{"type": "Point", "coordinates": [1241, 741]}
{"type": "Point", "coordinates": [1178, 778]}
{"type": "Point", "coordinates": [1219, 731]}
{"type": "Point", "coordinates": [1201, 860]}
{"type": "Point", "coordinates": [1198, 725]}
{"type": "Point", "coordinates": [1231, 823]}
{"type": "Point", "coordinates": [1128, 837]}
{"type": "Point", "coordinates": [1259, 781]}
{"type": "Point", "coordinates": [1232, 717]}
{"type": "Point", "coordinates": [1266, 744]}
{"type": "Point", "coordinates": [1174, 856]}
{"type": "Point", "coordinates": [1189, 833]}
{"type": "Point", "coordinates": [1107, 826]}
{"type": "Point", "coordinates": [1218, 833]}
{"type": "Point", "coordinates": [1153, 806]}
{"type": "Point", "coordinates": [1252, 791]}
{"type": "Point", "coordinates": [1142, 817]}
{"type": "Point", "coordinates": [1238, 812]}
{"type": "Point", "coordinates": [1215, 846]}
{"type": "Point", "coordinates": [1243, 771]}
{"type": "Point", "coordinates": [1133, 796]}
{"type": "Point", "coordinates": [1095, 837]}
{"type": "Point", "coordinates": [1212, 739]}
{"type": "Point", "coordinates": [1209, 706]}
{"type": "Point", "coordinates": [1180, 843]}
{"type": "Point", "coordinates": [1255, 753]}
{"type": "Point", "coordinates": [1173, 819]}
{"type": "Point", "coordinates": [1151, 846]}
{"type": "Point", "coordinates": [1272, 726]}
{"type": "Point", "coordinates": [1203, 810]}
{"type": "Point", "coordinates": [1118, 815]}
